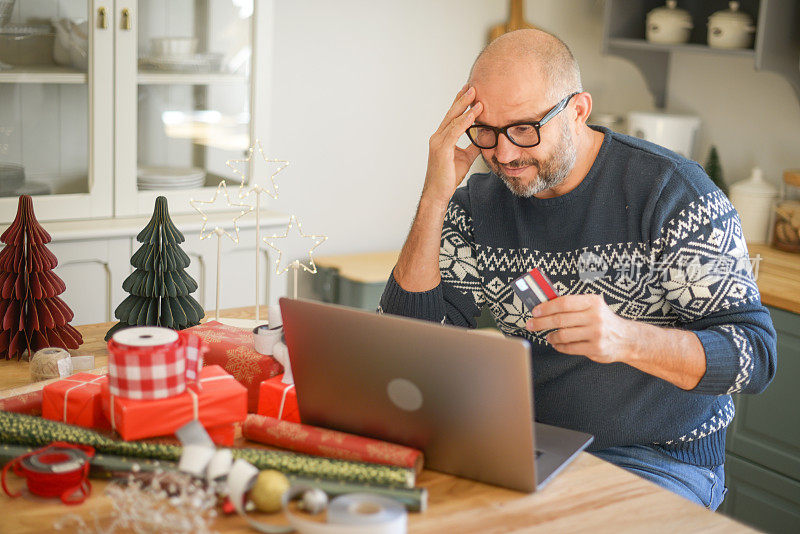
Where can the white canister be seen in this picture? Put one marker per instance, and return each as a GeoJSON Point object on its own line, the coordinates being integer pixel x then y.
{"type": "Point", "coordinates": [672, 131]}
{"type": "Point", "coordinates": [730, 28]}
{"type": "Point", "coordinates": [754, 199]}
{"type": "Point", "coordinates": [668, 24]}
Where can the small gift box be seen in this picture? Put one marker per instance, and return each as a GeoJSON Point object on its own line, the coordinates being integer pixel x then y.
{"type": "Point", "coordinates": [233, 349]}
{"type": "Point", "coordinates": [216, 399]}
{"type": "Point", "coordinates": [278, 400]}
{"type": "Point", "coordinates": [76, 400]}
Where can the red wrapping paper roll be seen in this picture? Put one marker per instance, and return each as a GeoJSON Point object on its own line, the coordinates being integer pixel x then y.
{"type": "Point", "coordinates": [25, 403]}
{"type": "Point", "coordinates": [328, 443]}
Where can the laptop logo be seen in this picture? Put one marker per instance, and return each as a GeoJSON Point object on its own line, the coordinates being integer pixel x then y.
{"type": "Point", "coordinates": [404, 394]}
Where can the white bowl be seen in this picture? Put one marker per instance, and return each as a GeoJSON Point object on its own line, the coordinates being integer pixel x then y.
{"type": "Point", "coordinates": [173, 46]}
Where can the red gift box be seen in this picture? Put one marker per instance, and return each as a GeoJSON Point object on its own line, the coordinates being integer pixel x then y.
{"type": "Point", "coordinates": [278, 400]}
{"type": "Point", "coordinates": [222, 435]}
{"type": "Point", "coordinates": [232, 349]}
{"type": "Point", "coordinates": [76, 400]}
{"type": "Point", "coordinates": [218, 400]}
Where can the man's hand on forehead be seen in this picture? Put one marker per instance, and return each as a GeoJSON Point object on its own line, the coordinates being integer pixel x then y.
{"type": "Point", "coordinates": [447, 163]}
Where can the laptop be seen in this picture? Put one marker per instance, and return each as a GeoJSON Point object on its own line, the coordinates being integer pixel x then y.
{"type": "Point", "coordinates": [463, 397]}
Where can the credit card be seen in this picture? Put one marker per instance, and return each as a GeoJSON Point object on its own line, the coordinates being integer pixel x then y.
{"type": "Point", "coordinates": [533, 288]}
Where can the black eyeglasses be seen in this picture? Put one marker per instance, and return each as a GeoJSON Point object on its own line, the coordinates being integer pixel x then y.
{"type": "Point", "coordinates": [522, 134]}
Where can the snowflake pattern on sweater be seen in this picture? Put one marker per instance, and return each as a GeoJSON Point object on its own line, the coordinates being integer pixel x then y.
{"type": "Point", "coordinates": [682, 276]}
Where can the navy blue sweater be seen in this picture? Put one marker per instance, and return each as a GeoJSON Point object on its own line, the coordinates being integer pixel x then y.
{"type": "Point", "coordinates": [649, 231]}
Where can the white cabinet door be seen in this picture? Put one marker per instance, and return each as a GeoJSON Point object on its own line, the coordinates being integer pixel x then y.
{"type": "Point", "coordinates": [56, 109]}
{"type": "Point", "coordinates": [93, 272]}
{"type": "Point", "coordinates": [191, 94]}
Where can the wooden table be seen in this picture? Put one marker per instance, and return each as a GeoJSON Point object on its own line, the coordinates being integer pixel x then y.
{"type": "Point", "coordinates": [590, 495]}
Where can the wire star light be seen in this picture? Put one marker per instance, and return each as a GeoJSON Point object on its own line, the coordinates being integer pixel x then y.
{"type": "Point", "coordinates": [317, 239]}
{"type": "Point", "coordinates": [218, 231]}
{"type": "Point", "coordinates": [236, 165]}
{"type": "Point", "coordinates": [242, 167]}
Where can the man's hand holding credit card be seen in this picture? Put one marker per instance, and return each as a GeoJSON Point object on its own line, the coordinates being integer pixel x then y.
{"type": "Point", "coordinates": [583, 324]}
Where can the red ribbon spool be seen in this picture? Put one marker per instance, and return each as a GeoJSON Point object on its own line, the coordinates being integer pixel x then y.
{"type": "Point", "coordinates": [57, 470]}
{"type": "Point", "coordinates": [149, 362]}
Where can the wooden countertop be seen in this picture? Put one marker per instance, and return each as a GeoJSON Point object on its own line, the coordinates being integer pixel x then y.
{"type": "Point", "coordinates": [778, 277]}
{"type": "Point", "coordinates": [590, 495]}
{"type": "Point", "coordinates": [367, 268]}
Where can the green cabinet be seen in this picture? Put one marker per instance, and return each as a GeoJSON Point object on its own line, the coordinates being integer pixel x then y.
{"type": "Point", "coordinates": [763, 461]}
{"type": "Point", "coordinates": [760, 497]}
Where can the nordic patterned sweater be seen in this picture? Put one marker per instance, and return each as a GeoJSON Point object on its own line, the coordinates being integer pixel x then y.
{"type": "Point", "coordinates": [649, 231]}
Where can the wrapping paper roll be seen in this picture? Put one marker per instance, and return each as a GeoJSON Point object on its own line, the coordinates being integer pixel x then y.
{"type": "Point", "coordinates": [25, 403]}
{"type": "Point", "coordinates": [328, 443]}
{"type": "Point", "coordinates": [27, 430]}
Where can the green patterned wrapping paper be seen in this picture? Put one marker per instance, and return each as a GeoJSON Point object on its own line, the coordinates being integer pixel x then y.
{"type": "Point", "coordinates": [35, 431]}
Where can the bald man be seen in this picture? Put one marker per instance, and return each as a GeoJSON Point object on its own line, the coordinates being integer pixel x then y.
{"type": "Point", "coordinates": [659, 318]}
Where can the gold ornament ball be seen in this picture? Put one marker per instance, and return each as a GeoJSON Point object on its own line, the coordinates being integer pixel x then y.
{"type": "Point", "coordinates": [268, 490]}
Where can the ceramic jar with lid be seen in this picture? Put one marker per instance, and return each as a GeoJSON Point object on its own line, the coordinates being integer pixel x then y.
{"type": "Point", "coordinates": [730, 28]}
{"type": "Point", "coordinates": [668, 24]}
{"type": "Point", "coordinates": [786, 232]}
{"type": "Point", "coordinates": [753, 199]}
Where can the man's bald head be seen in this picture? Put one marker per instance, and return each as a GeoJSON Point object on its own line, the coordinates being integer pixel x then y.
{"type": "Point", "coordinates": [537, 52]}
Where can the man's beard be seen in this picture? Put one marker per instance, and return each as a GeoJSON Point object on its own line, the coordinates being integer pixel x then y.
{"type": "Point", "coordinates": [550, 173]}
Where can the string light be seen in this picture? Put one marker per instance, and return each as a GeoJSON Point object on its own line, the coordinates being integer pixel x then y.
{"type": "Point", "coordinates": [205, 234]}
{"type": "Point", "coordinates": [236, 166]}
{"type": "Point", "coordinates": [317, 238]}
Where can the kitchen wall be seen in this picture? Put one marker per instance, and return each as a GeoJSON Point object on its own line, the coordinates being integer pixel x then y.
{"type": "Point", "coordinates": [360, 85]}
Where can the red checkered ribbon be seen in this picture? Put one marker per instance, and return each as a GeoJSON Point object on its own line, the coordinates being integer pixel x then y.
{"type": "Point", "coordinates": [154, 372]}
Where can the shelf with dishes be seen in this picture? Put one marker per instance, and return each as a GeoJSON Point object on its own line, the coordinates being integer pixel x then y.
{"type": "Point", "coordinates": [642, 44]}
{"type": "Point", "coordinates": [148, 77]}
{"type": "Point", "coordinates": [648, 32]}
{"type": "Point", "coordinates": [42, 74]}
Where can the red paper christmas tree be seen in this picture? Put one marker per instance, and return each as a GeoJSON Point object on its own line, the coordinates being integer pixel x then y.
{"type": "Point", "coordinates": [31, 314]}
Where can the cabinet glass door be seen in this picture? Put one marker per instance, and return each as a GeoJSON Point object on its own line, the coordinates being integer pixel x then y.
{"type": "Point", "coordinates": [49, 75]}
{"type": "Point", "coordinates": [193, 69]}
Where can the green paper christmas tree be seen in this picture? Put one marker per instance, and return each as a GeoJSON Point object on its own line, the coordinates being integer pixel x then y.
{"type": "Point", "coordinates": [714, 170]}
{"type": "Point", "coordinates": [159, 289]}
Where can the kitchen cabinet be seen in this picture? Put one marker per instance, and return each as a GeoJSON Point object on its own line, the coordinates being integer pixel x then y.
{"type": "Point", "coordinates": [175, 87]}
{"type": "Point", "coordinates": [760, 497]}
{"type": "Point", "coordinates": [776, 47]}
{"type": "Point", "coordinates": [763, 442]}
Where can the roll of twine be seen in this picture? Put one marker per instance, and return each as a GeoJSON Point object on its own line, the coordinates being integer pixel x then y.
{"type": "Point", "coordinates": [57, 470]}
{"type": "Point", "coordinates": [44, 364]}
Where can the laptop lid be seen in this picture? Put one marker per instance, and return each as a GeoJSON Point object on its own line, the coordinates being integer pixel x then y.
{"type": "Point", "coordinates": [462, 396]}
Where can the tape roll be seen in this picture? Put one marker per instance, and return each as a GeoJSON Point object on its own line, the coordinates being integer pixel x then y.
{"type": "Point", "coordinates": [195, 458]}
{"type": "Point", "coordinates": [354, 513]}
{"type": "Point", "coordinates": [220, 465]}
{"type": "Point", "coordinates": [265, 338]}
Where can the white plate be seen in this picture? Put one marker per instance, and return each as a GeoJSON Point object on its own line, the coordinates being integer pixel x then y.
{"type": "Point", "coordinates": [170, 172]}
